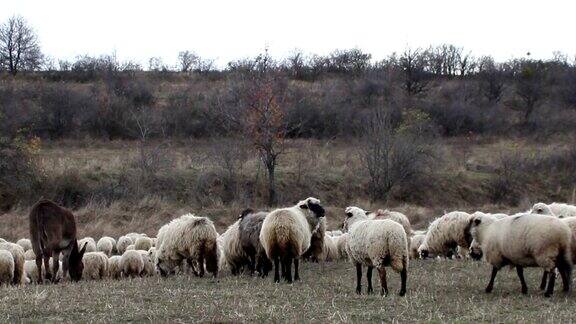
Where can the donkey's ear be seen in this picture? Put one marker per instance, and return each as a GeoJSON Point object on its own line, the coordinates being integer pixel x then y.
{"type": "Point", "coordinates": [83, 249]}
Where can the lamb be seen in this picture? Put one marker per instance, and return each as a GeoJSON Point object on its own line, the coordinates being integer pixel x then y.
{"type": "Point", "coordinates": [131, 264]}
{"type": "Point", "coordinates": [314, 252]}
{"type": "Point", "coordinates": [18, 255]}
{"type": "Point", "coordinates": [234, 254]}
{"type": "Point", "coordinates": [143, 243]}
{"type": "Point", "coordinates": [559, 210]}
{"type": "Point", "coordinates": [415, 242]}
{"type": "Point", "coordinates": [106, 245]}
{"type": "Point", "coordinates": [6, 267]}
{"type": "Point", "coordinates": [395, 216]}
{"type": "Point", "coordinates": [31, 270]}
{"type": "Point", "coordinates": [149, 268]}
{"type": "Point", "coordinates": [249, 228]}
{"type": "Point", "coordinates": [95, 266]}
{"type": "Point", "coordinates": [446, 233]}
{"type": "Point", "coordinates": [114, 270]}
{"type": "Point", "coordinates": [376, 243]}
{"type": "Point", "coordinates": [122, 244]}
{"type": "Point", "coordinates": [341, 246]}
{"type": "Point", "coordinates": [192, 238]}
{"type": "Point", "coordinates": [26, 244]}
{"type": "Point", "coordinates": [286, 234]}
{"type": "Point", "coordinates": [525, 240]}
{"type": "Point", "coordinates": [91, 244]}
{"type": "Point", "coordinates": [29, 255]}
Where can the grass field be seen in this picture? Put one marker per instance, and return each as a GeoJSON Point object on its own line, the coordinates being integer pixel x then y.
{"type": "Point", "coordinates": [438, 291]}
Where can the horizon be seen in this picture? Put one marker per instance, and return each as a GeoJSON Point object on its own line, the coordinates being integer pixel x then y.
{"type": "Point", "coordinates": [235, 33]}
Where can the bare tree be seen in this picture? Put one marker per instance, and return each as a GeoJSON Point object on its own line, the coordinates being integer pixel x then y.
{"type": "Point", "coordinates": [413, 64]}
{"type": "Point", "coordinates": [187, 60]}
{"type": "Point", "coordinates": [491, 80]}
{"type": "Point", "coordinates": [530, 88]}
{"type": "Point", "coordinates": [19, 47]}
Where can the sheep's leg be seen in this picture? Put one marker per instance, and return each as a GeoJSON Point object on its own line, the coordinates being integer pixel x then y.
{"type": "Point", "coordinates": [520, 272]}
{"type": "Point", "coordinates": [492, 278]}
{"type": "Point", "coordinates": [39, 267]}
{"type": "Point", "coordinates": [383, 283]}
{"type": "Point", "coordinates": [47, 267]}
{"type": "Point", "coordinates": [288, 269]}
{"type": "Point", "coordinates": [403, 278]}
{"type": "Point", "coordinates": [277, 269]}
{"type": "Point", "coordinates": [252, 264]}
{"type": "Point", "coordinates": [201, 266]}
{"type": "Point", "coordinates": [358, 278]}
{"type": "Point", "coordinates": [296, 272]}
{"type": "Point", "coordinates": [565, 274]}
{"type": "Point", "coordinates": [55, 265]}
{"type": "Point", "coordinates": [551, 282]}
{"type": "Point", "coordinates": [544, 279]}
{"type": "Point", "coordinates": [369, 279]}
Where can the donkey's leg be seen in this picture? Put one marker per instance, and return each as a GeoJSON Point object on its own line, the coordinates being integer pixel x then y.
{"type": "Point", "coordinates": [55, 266]}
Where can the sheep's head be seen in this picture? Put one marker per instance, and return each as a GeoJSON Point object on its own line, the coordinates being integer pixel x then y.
{"type": "Point", "coordinates": [165, 265]}
{"type": "Point", "coordinates": [475, 250]}
{"type": "Point", "coordinates": [313, 205]}
{"type": "Point", "coordinates": [542, 209]}
{"type": "Point", "coordinates": [245, 213]}
{"type": "Point", "coordinates": [478, 225]}
{"type": "Point", "coordinates": [423, 250]}
{"type": "Point", "coordinates": [354, 214]}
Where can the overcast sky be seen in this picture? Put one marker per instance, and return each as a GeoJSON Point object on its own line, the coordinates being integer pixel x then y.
{"type": "Point", "coordinates": [226, 30]}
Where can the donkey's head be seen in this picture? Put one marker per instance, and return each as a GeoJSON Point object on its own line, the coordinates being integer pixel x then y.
{"type": "Point", "coordinates": [75, 265]}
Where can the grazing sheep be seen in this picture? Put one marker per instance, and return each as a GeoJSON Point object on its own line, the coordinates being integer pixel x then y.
{"type": "Point", "coordinates": [334, 233]}
{"type": "Point", "coordinates": [287, 232]}
{"type": "Point", "coordinates": [31, 270]}
{"type": "Point", "coordinates": [149, 268]}
{"type": "Point", "coordinates": [329, 249]}
{"type": "Point", "coordinates": [525, 240]}
{"type": "Point", "coordinates": [341, 246]}
{"type": "Point", "coordinates": [395, 216]}
{"type": "Point", "coordinates": [95, 266]}
{"type": "Point", "coordinates": [376, 243]}
{"type": "Point", "coordinates": [91, 244]}
{"type": "Point", "coordinates": [18, 255]}
{"type": "Point", "coordinates": [26, 244]}
{"type": "Point", "coordinates": [571, 222]}
{"type": "Point", "coordinates": [154, 240]}
{"type": "Point", "coordinates": [446, 233]}
{"type": "Point", "coordinates": [130, 247]}
{"type": "Point", "coordinates": [314, 252]}
{"type": "Point", "coordinates": [123, 243]}
{"type": "Point", "coordinates": [234, 254]}
{"type": "Point", "coordinates": [189, 238]}
{"type": "Point", "coordinates": [6, 267]}
{"type": "Point", "coordinates": [555, 209]}
{"type": "Point", "coordinates": [2, 240]}
{"type": "Point", "coordinates": [415, 242]}
{"type": "Point", "coordinates": [249, 228]}
{"type": "Point", "coordinates": [152, 253]}
{"type": "Point", "coordinates": [106, 245]}
{"type": "Point", "coordinates": [135, 236]}
{"type": "Point", "coordinates": [29, 255]}
{"type": "Point", "coordinates": [131, 264]}
{"type": "Point", "coordinates": [143, 243]}
{"type": "Point", "coordinates": [475, 248]}
{"type": "Point", "coordinates": [114, 270]}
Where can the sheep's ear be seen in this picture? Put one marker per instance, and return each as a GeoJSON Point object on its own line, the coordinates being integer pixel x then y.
{"type": "Point", "coordinates": [348, 214]}
{"type": "Point", "coordinates": [304, 206]}
{"type": "Point", "coordinates": [368, 212]}
{"type": "Point", "coordinates": [477, 221]}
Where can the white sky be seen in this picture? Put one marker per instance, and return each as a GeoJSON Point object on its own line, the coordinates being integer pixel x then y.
{"type": "Point", "coordinates": [226, 30]}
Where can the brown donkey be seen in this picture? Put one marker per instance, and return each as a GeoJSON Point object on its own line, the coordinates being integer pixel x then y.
{"type": "Point", "coordinates": [53, 230]}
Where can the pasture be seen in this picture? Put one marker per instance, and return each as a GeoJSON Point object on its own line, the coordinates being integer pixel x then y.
{"type": "Point", "coordinates": [438, 291]}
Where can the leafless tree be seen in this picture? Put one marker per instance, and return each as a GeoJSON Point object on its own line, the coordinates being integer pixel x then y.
{"type": "Point", "coordinates": [19, 47]}
{"type": "Point", "coordinates": [530, 88]}
{"type": "Point", "coordinates": [187, 60]}
{"type": "Point", "coordinates": [413, 64]}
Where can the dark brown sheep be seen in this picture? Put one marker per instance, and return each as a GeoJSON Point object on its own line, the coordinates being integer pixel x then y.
{"type": "Point", "coordinates": [249, 227]}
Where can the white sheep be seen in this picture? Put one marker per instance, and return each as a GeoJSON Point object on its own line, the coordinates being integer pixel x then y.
{"type": "Point", "coordinates": [233, 252]}
{"type": "Point", "coordinates": [446, 233]}
{"type": "Point", "coordinates": [143, 243]}
{"type": "Point", "coordinates": [18, 255]}
{"type": "Point", "coordinates": [189, 238]}
{"type": "Point", "coordinates": [122, 244]}
{"type": "Point", "coordinates": [25, 243]}
{"type": "Point", "coordinates": [95, 266]}
{"type": "Point", "coordinates": [342, 245]}
{"type": "Point", "coordinates": [149, 268]}
{"type": "Point", "coordinates": [376, 243]}
{"type": "Point", "coordinates": [329, 249]}
{"type": "Point", "coordinates": [106, 245]}
{"type": "Point", "coordinates": [395, 216]}
{"type": "Point", "coordinates": [114, 270]}
{"type": "Point", "coordinates": [31, 271]}
{"type": "Point", "coordinates": [525, 240]}
{"type": "Point", "coordinates": [131, 247]}
{"type": "Point", "coordinates": [475, 248]}
{"type": "Point", "coordinates": [29, 255]}
{"type": "Point", "coordinates": [286, 235]}
{"type": "Point", "coordinates": [6, 267]}
{"type": "Point", "coordinates": [131, 264]}
{"type": "Point", "coordinates": [559, 210]}
{"type": "Point", "coordinates": [415, 242]}
{"type": "Point", "coordinates": [135, 236]}
{"type": "Point", "coordinates": [91, 246]}
{"type": "Point", "coordinates": [334, 233]}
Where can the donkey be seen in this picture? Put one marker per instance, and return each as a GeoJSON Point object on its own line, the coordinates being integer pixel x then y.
{"type": "Point", "coordinates": [53, 230]}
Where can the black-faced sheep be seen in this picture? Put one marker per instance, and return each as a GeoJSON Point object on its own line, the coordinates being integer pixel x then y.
{"type": "Point", "coordinates": [376, 243]}
{"type": "Point", "coordinates": [525, 240]}
{"type": "Point", "coordinates": [249, 228]}
{"type": "Point", "coordinates": [286, 234]}
{"type": "Point", "coordinates": [447, 233]}
{"type": "Point", "coordinates": [189, 238]}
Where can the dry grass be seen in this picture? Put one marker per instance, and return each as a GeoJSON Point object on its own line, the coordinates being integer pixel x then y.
{"type": "Point", "coordinates": [442, 291]}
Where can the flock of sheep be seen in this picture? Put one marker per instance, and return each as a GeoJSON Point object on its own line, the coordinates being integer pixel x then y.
{"type": "Point", "coordinates": [259, 242]}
